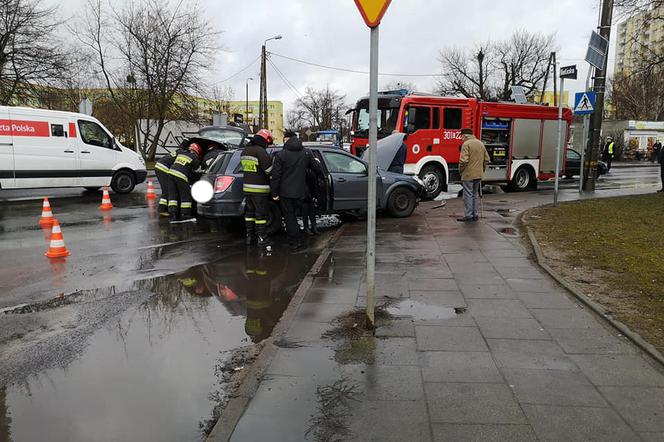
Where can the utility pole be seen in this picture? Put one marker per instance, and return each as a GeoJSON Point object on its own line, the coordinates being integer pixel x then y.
{"type": "Point", "coordinates": [262, 106]}
{"type": "Point", "coordinates": [599, 86]}
{"type": "Point", "coordinates": [480, 59]}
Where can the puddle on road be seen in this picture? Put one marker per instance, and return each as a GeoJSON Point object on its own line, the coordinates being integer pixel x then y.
{"type": "Point", "coordinates": [148, 374]}
{"type": "Point", "coordinates": [422, 311]}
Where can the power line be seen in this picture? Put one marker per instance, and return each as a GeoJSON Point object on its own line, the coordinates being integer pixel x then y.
{"type": "Point", "coordinates": [239, 72]}
{"type": "Point", "coordinates": [285, 80]}
{"type": "Point", "coordinates": [352, 71]}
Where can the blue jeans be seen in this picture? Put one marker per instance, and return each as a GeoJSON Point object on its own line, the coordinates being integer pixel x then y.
{"type": "Point", "coordinates": [471, 198]}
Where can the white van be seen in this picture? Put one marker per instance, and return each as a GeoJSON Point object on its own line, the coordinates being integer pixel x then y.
{"type": "Point", "coordinates": [45, 148]}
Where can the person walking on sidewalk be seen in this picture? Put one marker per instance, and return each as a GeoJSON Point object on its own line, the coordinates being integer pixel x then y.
{"type": "Point", "coordinates": [660, 159]}
{"type": "Point", "coordinates": [256, 169]}
{"type": "Point", "coordinates": [161, 168]}
{"type": "Point", "coordinates": [289, 183]}
{"type": "Point", "coordinates": [609, 147]}
{"type": "Point", "coordinates": [472, 163]}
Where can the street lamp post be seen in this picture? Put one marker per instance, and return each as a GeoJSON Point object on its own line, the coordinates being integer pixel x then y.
{"type": "Point", "coordinates": [262, 108]}
{"type": "Point", "coordinates": [246, 108]}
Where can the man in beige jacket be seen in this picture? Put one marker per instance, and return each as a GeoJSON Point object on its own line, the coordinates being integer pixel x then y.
{"type": "Point", "coordinates": [472, 164]}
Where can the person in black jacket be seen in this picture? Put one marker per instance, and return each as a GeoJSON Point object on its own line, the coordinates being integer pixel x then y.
{"type": "Point", "coordinates": [400, 157]}
{"type": "Point", "coordinates": [256, 168]}
{"type": "Point", "coordinates": [289, 183]}
{"type": "Point", "coordinates": [161, 168]}
{"type": "Point", "coordinates": [179, 190]}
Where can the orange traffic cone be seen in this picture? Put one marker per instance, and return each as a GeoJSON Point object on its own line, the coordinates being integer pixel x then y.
{"type": "Point", "coordinates": [46, 216]}
{"type": "Point", "coordinates": [57, 248]}
{"type": "Point", "coordinates": [106, 200]}
{"type": "Point", "coordinates": [151, 193]}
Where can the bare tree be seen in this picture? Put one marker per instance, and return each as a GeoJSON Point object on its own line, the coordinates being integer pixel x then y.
{"type": "Point", "coordinates": [31, 55]}
{"type": "Point", "coordinates": [319, 109]}
{"type": "Point", "coordinates": [640, 95]}
{"type": "Point", "coordinates": [490, 69]}
{"type": "Point", "coordinates": [152, 57]}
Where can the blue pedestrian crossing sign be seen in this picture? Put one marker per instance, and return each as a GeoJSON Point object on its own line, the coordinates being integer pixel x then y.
{"type": "Point", "coordinates": [584, 103]}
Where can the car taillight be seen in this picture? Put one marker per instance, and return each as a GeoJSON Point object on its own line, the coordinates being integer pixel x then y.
{"type": "Point", "coordinates": [222, 183]}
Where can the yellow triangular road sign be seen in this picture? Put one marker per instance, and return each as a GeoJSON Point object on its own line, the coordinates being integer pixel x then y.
{"type": "Point", "coordinates": [372, 10]}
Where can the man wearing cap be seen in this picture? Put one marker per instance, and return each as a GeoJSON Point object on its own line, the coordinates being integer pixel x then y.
{"type": "Point", "coordinates": [472, 163]}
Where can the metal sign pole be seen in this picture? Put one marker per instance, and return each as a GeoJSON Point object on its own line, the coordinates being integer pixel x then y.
{"type": "Point", "coordinates": [560, 142]}
{"type": "Point", "coordinates": [586, 129]}
{"type": "Point", "coordinates": [371, 195]}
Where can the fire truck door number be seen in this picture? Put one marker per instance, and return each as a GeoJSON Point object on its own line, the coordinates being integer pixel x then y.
{"type": "Point", "coordinates": [452, 135]}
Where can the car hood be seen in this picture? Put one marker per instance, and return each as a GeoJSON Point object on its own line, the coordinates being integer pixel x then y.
{"type": "Point", "coordinates": [387, 150]}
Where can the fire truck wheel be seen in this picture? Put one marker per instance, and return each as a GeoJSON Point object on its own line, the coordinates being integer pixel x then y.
{"type": "Point", "coordinates": [401, 203]}
{"type": "Point", "coordinates": [523, 180]}
{"type": "Point", "coordinates": [433, 180]}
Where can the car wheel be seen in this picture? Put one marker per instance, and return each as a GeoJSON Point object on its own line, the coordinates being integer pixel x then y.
{"type": "Point", "coordinates": [569, 177]}
{"type": "Point", "coordinates": [401, 203]}
{"type": "Point", "coordinates": [522, 181]}
{"type": "Point", "coordinates": [123, 182]}
{"type": "Point", "coordinates": [433, 181]}
{"type": "Point", "coordinates": [274, 219]}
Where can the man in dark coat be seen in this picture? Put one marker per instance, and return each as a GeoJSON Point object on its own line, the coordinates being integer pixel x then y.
{"type": "Point", "coordinates": [289, 181]}
{"type": "Point", "coordinates": [400, 157]}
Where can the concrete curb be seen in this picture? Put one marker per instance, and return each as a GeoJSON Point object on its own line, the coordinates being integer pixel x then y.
{"type": "Point", "coordinates": [236, 406]}
{"type": "Point", "coordinates": [594, 306]}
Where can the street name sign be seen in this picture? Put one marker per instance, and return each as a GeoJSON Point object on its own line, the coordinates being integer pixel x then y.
{"type": "Point", "coordinates": [584, 103]}
{"type": "Point", "coordinates": [568, 72]}
{"type": "Point", "coordinates": [372, 10]}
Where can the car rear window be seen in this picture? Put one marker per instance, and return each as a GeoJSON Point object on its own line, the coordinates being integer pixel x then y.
{"type": "Point", "coordinates": [225, 163]}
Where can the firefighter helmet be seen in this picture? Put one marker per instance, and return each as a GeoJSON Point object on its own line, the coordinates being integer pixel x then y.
{"type": "Point", "coordinates": [196, 148]}
{"type": "Point", "coordinates": [266, 135]}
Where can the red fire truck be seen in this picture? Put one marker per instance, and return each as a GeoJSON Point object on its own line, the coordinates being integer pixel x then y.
{"type": "Point", "coordinates": [520, 138]}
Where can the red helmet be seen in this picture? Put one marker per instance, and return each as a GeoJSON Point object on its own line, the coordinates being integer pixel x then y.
{"type": "Point", "coordinates": [198, 150]}
{"type": "Point", "coordinates": [266, 135]}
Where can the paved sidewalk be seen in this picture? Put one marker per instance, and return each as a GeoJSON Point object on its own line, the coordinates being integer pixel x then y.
{"type": "Point", "coordinates": [482, 346]}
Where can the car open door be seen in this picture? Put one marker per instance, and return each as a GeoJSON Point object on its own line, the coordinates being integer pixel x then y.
{"type": "Point", "coordinates": [6, 150]}
{"type": "Point", "coordinates": [349, 180]}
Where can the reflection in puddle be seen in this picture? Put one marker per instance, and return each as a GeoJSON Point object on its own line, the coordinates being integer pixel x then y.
{"type": "Point", "coordinates": [420, 310]}
{"type": "Point", "coordinates": [507, 213]}
{"type": "Point", "coordinates": [147, 374]}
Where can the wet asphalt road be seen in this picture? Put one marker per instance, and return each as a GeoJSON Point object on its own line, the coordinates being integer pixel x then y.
{"type": "Point", "coordinates": [124, 339]}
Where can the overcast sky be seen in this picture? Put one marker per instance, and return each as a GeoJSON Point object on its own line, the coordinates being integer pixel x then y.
{"type": "Point", "coordinates": [332, 32]}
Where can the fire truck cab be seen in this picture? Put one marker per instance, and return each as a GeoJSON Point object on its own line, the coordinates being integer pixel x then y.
{"type": "Point", "coordinates": [520, 138]}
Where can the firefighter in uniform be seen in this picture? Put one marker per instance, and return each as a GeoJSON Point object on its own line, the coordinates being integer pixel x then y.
{"type": "Point", "coordinates": [179, 191]}
{"type": "Point", "coordinates": [608, 152]}
{"type": "Point", "coordinates": [257, 167]}
{"type": "Point", "coordinates": [161, 168]}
